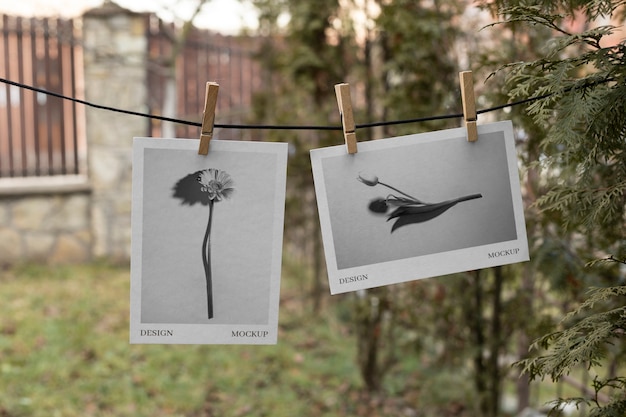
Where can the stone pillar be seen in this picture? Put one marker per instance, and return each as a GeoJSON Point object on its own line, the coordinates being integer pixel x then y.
{"type": "Point", "coordinates": [115, 75]}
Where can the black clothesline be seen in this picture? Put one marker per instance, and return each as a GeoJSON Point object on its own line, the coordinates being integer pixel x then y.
{"type": "Point", "coordinates": [268, 127]}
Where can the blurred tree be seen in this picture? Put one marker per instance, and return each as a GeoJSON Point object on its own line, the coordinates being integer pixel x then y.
{"type": "Point", "coordinates": [308, 55]}
{"type": "Point", "coordinates": [582, 78]}
{"type": "Point", "coordinates": [405, 51]}
{"type": "Point", "coordinates": [420, 66]}
{"type": "Point", "coordinates": [420, 43]}
{"type": "Point", "coordinates": [514, 42]}
{"type": "Point", "coordinates": [401, 81]}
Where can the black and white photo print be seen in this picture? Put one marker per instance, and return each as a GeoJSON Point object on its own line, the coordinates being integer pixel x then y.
{"type": "Point", "coordinates": [206, 241]}
{"type": "Point", "coordinates": [419, 206]}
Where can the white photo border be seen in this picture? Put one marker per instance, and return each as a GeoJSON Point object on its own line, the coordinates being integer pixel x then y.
{"type": "Point", "coordinates": [206, 333]}
{"type": "Point", "coordinates": [376, 274]}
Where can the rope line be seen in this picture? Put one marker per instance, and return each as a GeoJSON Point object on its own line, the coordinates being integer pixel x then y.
{"type": "Point", "coordinates": [268, 127]}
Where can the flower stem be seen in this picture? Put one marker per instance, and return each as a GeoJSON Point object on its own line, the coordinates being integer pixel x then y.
{"type": "Point", "coordinates": [206, 260]}
{"type": "Point", "coordinates": [405, 194]}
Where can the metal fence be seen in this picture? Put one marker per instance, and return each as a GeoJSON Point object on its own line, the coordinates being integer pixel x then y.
{"type": "Point", "coordinates": [205, 56]}
{"type": "Point", "coordinates": [41, 135]}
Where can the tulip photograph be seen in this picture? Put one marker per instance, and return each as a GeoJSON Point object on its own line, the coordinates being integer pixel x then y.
{"type": "Point", "coordinates": [408, 210]}
{"type": "Point", "coordinates": [419, 206]}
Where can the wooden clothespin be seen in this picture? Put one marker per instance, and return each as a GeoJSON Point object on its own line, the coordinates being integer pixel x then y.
{"type": "Point", "coordinates": [344, 101]}
{"type": "Point", "coordinates": [208, 117]}
{"type": "Point", "coordinates": [469, 105]}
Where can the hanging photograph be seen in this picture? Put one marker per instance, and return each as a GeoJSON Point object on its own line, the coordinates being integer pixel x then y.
{"type": "Point", "coordinates": [206, 241]}
{"type": "Point", "coordinates": [419, 206]}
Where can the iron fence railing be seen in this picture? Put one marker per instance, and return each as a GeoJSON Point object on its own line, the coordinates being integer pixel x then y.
{"type": "Point", "coordinates": [41, 135]}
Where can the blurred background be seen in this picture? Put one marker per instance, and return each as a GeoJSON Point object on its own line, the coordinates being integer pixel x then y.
{"type": "Point", "coordinates": [445, 346]}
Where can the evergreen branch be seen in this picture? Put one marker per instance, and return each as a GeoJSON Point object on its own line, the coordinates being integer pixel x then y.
{"type": "Point", "coordinates": [582, 116]}
{"type": "Point", "coordinates": [597, 295]}
{"type": "Point", "coordinates": [586, 206]}
{"type": "Point", "coordinates": [604, 405]}
{"type": "Point", "coordinates": [533, 15]}
{"type": "Point", "coordinates": [583, 342]}
{"type": "Point", "coordinates": [609, 259]}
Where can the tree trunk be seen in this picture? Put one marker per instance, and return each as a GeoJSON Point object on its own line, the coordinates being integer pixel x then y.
{"type": "Point", "coordinates": [523, 341]}
{"type": "Point", "coordinates": [375, 336]}
{"type": "Point", "coordinates": [495, 343]}
{"type": "Point", "coordinates": [528, 287]}
{"type": "Point", "coordinates": [475, 316]}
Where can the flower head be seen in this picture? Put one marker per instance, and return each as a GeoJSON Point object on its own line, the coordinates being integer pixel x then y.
{"type": "Point", "coordinates": [370, 180]}
{"type": "Point", "coordinates": [217, 184]}
{"type": "Point", "coordinates": [379, 205]}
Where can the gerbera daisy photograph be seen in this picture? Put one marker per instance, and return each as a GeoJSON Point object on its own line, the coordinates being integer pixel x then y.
{"type": "Point", "coordinates": [207, 240]}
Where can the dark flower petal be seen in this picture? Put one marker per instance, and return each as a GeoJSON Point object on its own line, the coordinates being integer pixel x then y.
{"type": "Point", "coordinates": [189, 190]}
{"type": "Point", "coordinates": [413, 218]}
{"type": "Point", "coordinates": [401, 201]}
{"type": "Point", "coordinates": [378, 205]}
{"type": "Point", "coordinates": [411, 214]}
{"type": "Point", "coordinates": [419, 209]}
{"type": "Point", "coordinates": [426, 208]}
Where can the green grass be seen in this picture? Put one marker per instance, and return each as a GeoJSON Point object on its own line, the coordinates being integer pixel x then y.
{"type": "Point", "coordinates": [64, 351]}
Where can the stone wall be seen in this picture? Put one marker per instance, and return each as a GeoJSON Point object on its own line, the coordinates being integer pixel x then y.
{"type": "Point", "coordinates": [49, 228]}
{"type": "Point", "coordinates": [70, 219]}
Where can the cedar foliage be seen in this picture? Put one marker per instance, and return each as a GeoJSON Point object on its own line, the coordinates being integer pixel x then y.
{"type": "Point", "coordinates": [581, 85]}
{"type": "Point", "coordinates": [584, 111]}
